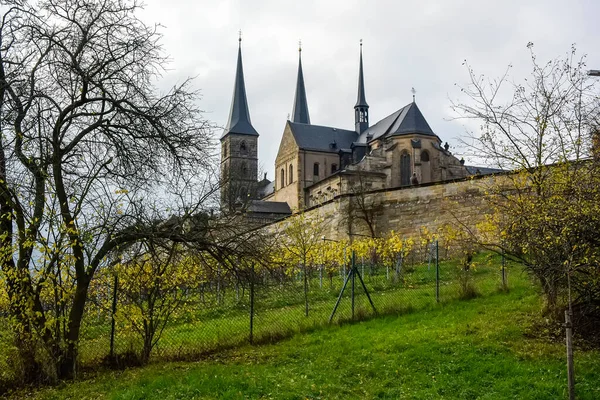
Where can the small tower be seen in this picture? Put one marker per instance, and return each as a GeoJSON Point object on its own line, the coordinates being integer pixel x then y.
{"type": "Point", "coordinates": [361, 109]}
{"type": "Point", "coordinates": [239, 148]}
{"type": "Point", "coordinates": [300, 110]}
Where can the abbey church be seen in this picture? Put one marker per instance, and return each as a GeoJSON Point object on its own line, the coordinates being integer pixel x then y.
{"type": "Point", "coordinates": [316, 163]}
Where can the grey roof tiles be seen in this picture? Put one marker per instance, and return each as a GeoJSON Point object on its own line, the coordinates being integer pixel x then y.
{"type": "Point", "coordinates": [239, 116]}
{"type": "Point", "coordinates": [300, 110]}
{"type": "Point", "coordinates": [322, 138]}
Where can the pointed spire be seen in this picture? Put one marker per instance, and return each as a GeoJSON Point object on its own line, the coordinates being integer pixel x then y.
{"type": "Point", "coordinates": [361, 100]}
{"type": "Point", "coordinates": [300, 110]}
{"type": "Point", "coordinates": [239, 116]}
{"type": "Point", "coordinates": [361, 109]}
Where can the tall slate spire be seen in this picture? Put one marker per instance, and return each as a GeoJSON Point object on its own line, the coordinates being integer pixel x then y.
{"type": "Point", "coordinates": [239, 116]}
{"type": "Point", "coordinates": [361, 109]}
{"type": "Point", "coordinates": [300, 110]}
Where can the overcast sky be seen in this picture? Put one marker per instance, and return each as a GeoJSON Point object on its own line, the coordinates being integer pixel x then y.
{"type": "Point", "coordinates": [420, 44]}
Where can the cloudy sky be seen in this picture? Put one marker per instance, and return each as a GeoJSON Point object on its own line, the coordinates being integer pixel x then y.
{"type": "Point", "coordinates": [420, 44]}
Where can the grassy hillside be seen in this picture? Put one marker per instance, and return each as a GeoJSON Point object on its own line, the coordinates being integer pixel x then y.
{"type": "Point", "coordinates": [482, 348]}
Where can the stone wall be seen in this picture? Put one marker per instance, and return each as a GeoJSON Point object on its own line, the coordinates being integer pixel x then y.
{"type": "Point", "coordinates": [407, 210]}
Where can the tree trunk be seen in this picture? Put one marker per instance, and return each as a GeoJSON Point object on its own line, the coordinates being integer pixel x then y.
{"type": "Point", "coordinates": [68, 361]}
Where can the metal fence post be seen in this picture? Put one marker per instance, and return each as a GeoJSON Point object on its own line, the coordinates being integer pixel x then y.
{"type": "Point", "coordinates": [437, 272]}
{"type": "Point", "coordinates": [570, 371]}
{"type": "Point", "coordinates": [504, 285]}
{"type": "Point", "coordinates": [353, 272]}
{"type": "Point", "coordinates": [252, 277]}
{"type": "Point", "coordinates": [112, 318]}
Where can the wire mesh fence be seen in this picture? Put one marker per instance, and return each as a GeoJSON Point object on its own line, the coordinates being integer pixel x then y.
{"type": "Point", "coordinates": [122, 327]}
{"type": "Point", "coordinates": [270, 304]}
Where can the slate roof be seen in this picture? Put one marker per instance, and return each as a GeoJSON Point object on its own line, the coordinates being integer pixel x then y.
{"type": "Point", "coordinates": [269, 207]}
{"type": "Point", "coordinates": [361, 100]}
{"type": "Point", "coordinates": [407, 120]}
{"type": "Point", "coordinates": [474, 170]}
{"type": "Point", "coordinates": [239, 115]}
{"type": "Point", "coordinates": [300, 110]}
{"type": "Point", "coordinates": [265, 188]}
{"type": "Point", "coordinates": [322, 138]}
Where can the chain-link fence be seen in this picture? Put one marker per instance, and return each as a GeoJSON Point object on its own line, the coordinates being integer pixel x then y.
{"type": "Point", "coordinates": [268, 304]}
{"type": "Point", "coordinates": [124, 327]}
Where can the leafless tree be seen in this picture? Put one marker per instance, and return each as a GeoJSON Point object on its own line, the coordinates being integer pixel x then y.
{"type": "Point", "coordinates": [360, 205]}
{"type": "Point", "coordinates": [92, 159]}
{"type": "Point", "coordinates": [546, 211]}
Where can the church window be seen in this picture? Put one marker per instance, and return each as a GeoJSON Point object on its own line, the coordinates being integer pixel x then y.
{"type": "Point", "coordinates": [244, 170]}
{"type": "Point", "coordinates": [291, 174]}
{"type": "Point", "coordinates": [424, 156]}
{"type": "Point", "coordinates": [282, 177]}
{"type": "Point", "coordinates": [333, 168]}
{"type": "Point", "coordinates": [243, 147]}
{"type": "Point", "coordinates": [405, 169]}
{"type": "Point", "coordinates": [316, 169]}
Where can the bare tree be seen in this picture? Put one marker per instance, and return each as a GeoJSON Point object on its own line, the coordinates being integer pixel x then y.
{"type": "Point", "coordinates": [361, 205]}
{"type": "Point", "coordinates": [544, 213]}
{"type": "Point", "coordinates": [92, 159]}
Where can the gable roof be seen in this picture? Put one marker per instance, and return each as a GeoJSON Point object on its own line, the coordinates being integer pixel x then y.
{"type": "Point", "coordinates": [405, 121]}
{"type": "Point", "coordinates": [269, 207]}
{"type": "Point", "coordinates": [322, 138]}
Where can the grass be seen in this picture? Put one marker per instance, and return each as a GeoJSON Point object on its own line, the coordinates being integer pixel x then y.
{"type": "Point", "coordinates": [280, 311]}
{"type": "Point", "coordinates": [476, 349]}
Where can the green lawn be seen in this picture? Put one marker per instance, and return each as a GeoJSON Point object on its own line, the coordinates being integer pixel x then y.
{"type": "Point", "coordinates": [480, 348]}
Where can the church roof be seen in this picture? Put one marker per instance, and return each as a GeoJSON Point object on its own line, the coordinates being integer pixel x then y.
{"type": "Point", "coordinates": [269, 207]}
{"type": "Point", "coordinates": [405, 121]}
{"type": "Point", "coordinates": [322, 138]}
{"type": "Point", "coordinates": [300, 110]}
{"type": "Point", "coordinates": [239, 116]}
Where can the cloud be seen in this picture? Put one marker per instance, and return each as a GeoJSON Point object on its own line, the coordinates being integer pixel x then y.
{"type": "Point", "coordinates": [419, 44]}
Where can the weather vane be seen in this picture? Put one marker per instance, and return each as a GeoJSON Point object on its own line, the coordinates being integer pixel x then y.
{"type": "Point", "coordinates": [360, 42]}
{"type": "Point", "coordinates": [240, 37]}
{"type": "Point", "coordinates": [300, 45]}
{"type": "Point", "coordinates": [413, 91]}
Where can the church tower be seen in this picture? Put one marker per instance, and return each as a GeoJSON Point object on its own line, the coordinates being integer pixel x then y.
{"type": "Point", "coordinates": [300, 110]}
{"type": "Point", "coordinates": [361, 109]}
{"type": "Point", "coordinates": [239, 148]}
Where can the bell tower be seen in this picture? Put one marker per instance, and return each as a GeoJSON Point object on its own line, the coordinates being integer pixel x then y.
{"type": "Point", "coordinates": [239, 148]}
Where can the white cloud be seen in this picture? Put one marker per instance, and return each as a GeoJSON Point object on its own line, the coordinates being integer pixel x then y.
{"type": "Point", "coordinates": [406, 44]}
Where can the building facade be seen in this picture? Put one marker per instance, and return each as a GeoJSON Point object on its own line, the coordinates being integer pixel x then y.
{"type": "Point", "coordinates": [315, 163]}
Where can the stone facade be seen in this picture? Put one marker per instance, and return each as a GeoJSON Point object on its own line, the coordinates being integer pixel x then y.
{"type": "Point", "coordinates": [407, 210]}
{"type": "Point", "coordinates": [239, 168]}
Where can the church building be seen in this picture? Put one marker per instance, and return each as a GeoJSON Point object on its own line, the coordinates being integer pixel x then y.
{"type": "Point", "coordinates": [315, 163]}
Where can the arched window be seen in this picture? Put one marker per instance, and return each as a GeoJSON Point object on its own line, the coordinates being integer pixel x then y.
{"type": "Point", "coordinates": [243, 147]}
{"type": "Point", "coordinates": [282, 177]}
{"type": "Point", "coordinates": [291, 174]}
{"type": "Point", "coordinates": [244, 170]}
{"type": "Point", "coordinates": [316, 169]}
{"type": "Point", "coordinates": [405, 169]}
{"type": "Point", "coordinates": [425, 167]}
{"type": "Point", "coordinates": [333, 168]}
